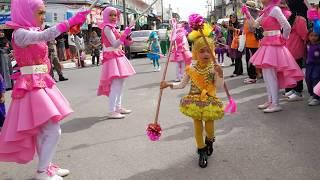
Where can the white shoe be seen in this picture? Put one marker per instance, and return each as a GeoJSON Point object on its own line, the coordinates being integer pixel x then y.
{"type": "Point", "coordinates": [159, 68]}
{"type": "Point", "coordinates": [123, 111]}
{"type": "Point", "coordinates": [45, 176]}
{"type": "Point", "coordinates": [314, 102]}
{"type": "Point", "coordinates": [272, 109]}
{"type": "Point", "coordinates": [295, 97]}
{"type": "Point", "coordinates": [62, 172]}
{"type": "Point", "coordinates": [287, 94]}
{"type": "Point", "coordinates": [310, 99]}
{"type": "Point", "coordinates": [59, 171]}
{"type": "Point", "coordinates": [222, 65]}
{"type": "Point", "coordinates": [115, 115]}
{"type": "Point", "coordinates": [264, 106]}
{"type": "Point", "coordinates": [154, 69]}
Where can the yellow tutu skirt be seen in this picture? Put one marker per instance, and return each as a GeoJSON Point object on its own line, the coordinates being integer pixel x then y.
{"type": "Point", "coordinates": [209, 110]}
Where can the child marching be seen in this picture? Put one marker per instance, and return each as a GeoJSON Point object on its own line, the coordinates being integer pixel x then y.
{"type": "Point", "coordinates": [180, 53]}
{"type": "Point", "coordinates": [201, 103]}
{"type": "Point", "coordinates": [154, 50]}
{"type": "Point", "coordinates": [116, 67]}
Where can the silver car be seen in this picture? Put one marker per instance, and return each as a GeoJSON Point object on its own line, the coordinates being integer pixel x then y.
{"type": "Point", "coordinates": [140, 41]}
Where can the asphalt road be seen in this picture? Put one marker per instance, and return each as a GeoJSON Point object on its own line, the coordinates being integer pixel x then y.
{"type": "Point", "coordinates": [250, 145]}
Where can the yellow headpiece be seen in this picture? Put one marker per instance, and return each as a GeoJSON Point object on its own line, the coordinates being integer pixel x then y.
{"type": "Point", "coordinates": [198, 41]}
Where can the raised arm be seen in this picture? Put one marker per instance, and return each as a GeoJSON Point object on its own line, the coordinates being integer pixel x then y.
{"type": "Point", "coordinates": [277, 13]}
{"type": "Point", "coordinates": [25, 37]}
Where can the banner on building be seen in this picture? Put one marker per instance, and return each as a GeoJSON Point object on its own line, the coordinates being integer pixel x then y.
{"type": "Point", "coordinates": [4, 14]}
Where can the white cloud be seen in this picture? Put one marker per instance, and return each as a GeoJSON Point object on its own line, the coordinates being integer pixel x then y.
{"type": "Point", "coordinates": [187, 7]}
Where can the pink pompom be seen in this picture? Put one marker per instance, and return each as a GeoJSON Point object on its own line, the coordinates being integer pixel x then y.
{"type": "Point", "coordinates": [196, 21]}
{"type": "Point", "coordinates": [312, 14]}
{"type": "Point", "coordinates": [154, 131]}
{"type": "Point", "coordinates": [231, 107]}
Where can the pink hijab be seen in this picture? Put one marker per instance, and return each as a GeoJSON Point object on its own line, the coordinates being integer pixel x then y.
{"type": "Point", "coordinates": [106, 13]}
{"type": "Point", "coordinates": [22, 13]}
{"type": "Point", "coordinates": [269, 7]}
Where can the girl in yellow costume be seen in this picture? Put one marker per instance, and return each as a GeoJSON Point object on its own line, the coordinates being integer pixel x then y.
{"type": "Point", "coordinates": [201, 104]}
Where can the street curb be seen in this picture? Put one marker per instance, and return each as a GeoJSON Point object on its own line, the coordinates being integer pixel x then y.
{"type": "Point", "coordinates": [72, 65]}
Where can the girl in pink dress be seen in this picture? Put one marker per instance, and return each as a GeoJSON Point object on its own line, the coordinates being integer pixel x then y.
{"type": "Point", "coordinates": [116, 67]}
{"type": "Point", "coordinates": [181, 53]}
{"type": "Point", "coordinates": [279, 68]}
{"type": "Point", "coordinates": [37, 106]}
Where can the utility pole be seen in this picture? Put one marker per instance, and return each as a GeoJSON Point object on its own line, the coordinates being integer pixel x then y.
{"type": "Point", "coordinates": [162, 11]}
{"type": "Point", "coordinates": [125, 24]}
{"type": "Point", "coordinates": [124, 14]}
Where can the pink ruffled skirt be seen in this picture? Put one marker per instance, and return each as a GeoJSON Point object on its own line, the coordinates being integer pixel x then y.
{"type": "Point", "coordinates": [280, 58]}
{"type": "Point", "coordinates": [117, 67]}
{"type": "Point", "coordinates": [25, 117]}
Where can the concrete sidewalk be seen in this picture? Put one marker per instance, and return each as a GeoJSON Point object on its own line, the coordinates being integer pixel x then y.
{"type": "Point", "coordinates": [70, 65]}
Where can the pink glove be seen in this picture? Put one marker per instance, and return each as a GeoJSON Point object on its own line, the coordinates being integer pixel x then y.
{"type": "Point", "coordinates": [78, 19]}
{"type": "Point", "coordinates": [125, 34]}
{"type": "Point", "coordinates": [245, 11]}
{"type": "Point", "coordinates": [312, 14]}
{"type": "Point", "coordinates": [128, 42]}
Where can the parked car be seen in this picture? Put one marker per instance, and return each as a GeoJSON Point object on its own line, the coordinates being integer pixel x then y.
{"type": "Point", "coordinates": [140, 41]}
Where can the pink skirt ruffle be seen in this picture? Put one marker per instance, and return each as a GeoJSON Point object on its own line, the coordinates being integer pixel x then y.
{"type": "Point", "coordinates": [25, 118]}
{"type": "Point", "coordinates": [280, 58]}
{"type": "Point", "coordinates": [113, 68]}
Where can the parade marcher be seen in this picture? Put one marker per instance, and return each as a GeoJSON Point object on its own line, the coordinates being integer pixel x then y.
{"type": "Point", "coordinates": [251, 44]}
{"type": "Point", "coordinates": [313, 67]}
{"type": "Point", "coordinates": [95, 44]}
{"type": "Point", "coordinates": [278, 65]}
{"type": "Point", "coordinates": [55, 65]}
{"type": "Point", "coordinates": [37, 105]}
{"type": "Point", "coordinates": [296, 43]}
{"type": "Point", "coordinates": [180, 54]}
{"type": "Point", "coordinates": [201, 103]}
{"type": "Point", "coordinates": [154, 50]}
{"type": "Point", "coordinates": [116, 67]}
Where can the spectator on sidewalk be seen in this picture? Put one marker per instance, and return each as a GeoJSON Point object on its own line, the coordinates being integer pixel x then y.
{"type": "Point", "coordinates": [251, 44]}
{"type": "Point", "coordinates": [95, 44]}
{"type": "Point", "coordinates": [81, 49]}
{"type": "Point", "coordinates": [5, 61]}
{"type": "Point", "coordinates": [72, 47]}
{"type": "Point", "coordinates": [61, 48]}
{"type": "Point", "coordinates": [55, 65]}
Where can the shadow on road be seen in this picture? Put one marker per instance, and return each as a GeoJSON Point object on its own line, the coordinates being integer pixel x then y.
{"type": "Point", "coordinates": [146, 86]}
{"type": "Point", "coordinates": [79, 124]}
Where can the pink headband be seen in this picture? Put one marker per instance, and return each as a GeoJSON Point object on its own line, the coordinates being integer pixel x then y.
{"type": "Point", "coordinates": [23, 12]}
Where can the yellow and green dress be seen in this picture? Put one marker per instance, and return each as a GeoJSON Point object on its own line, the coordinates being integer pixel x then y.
{"type": "Point", "coordinates": [201, 103]}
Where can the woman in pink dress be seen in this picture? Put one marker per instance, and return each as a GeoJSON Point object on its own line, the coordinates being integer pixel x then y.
{"type": "Point", "coordinates": [116, 67]}
{"type": "Point", "coordinates": [37, 106]}
{"type": "Point", "coordinates": [181, 53]}
{"type": "Point", "coordinates": [279, 68]}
